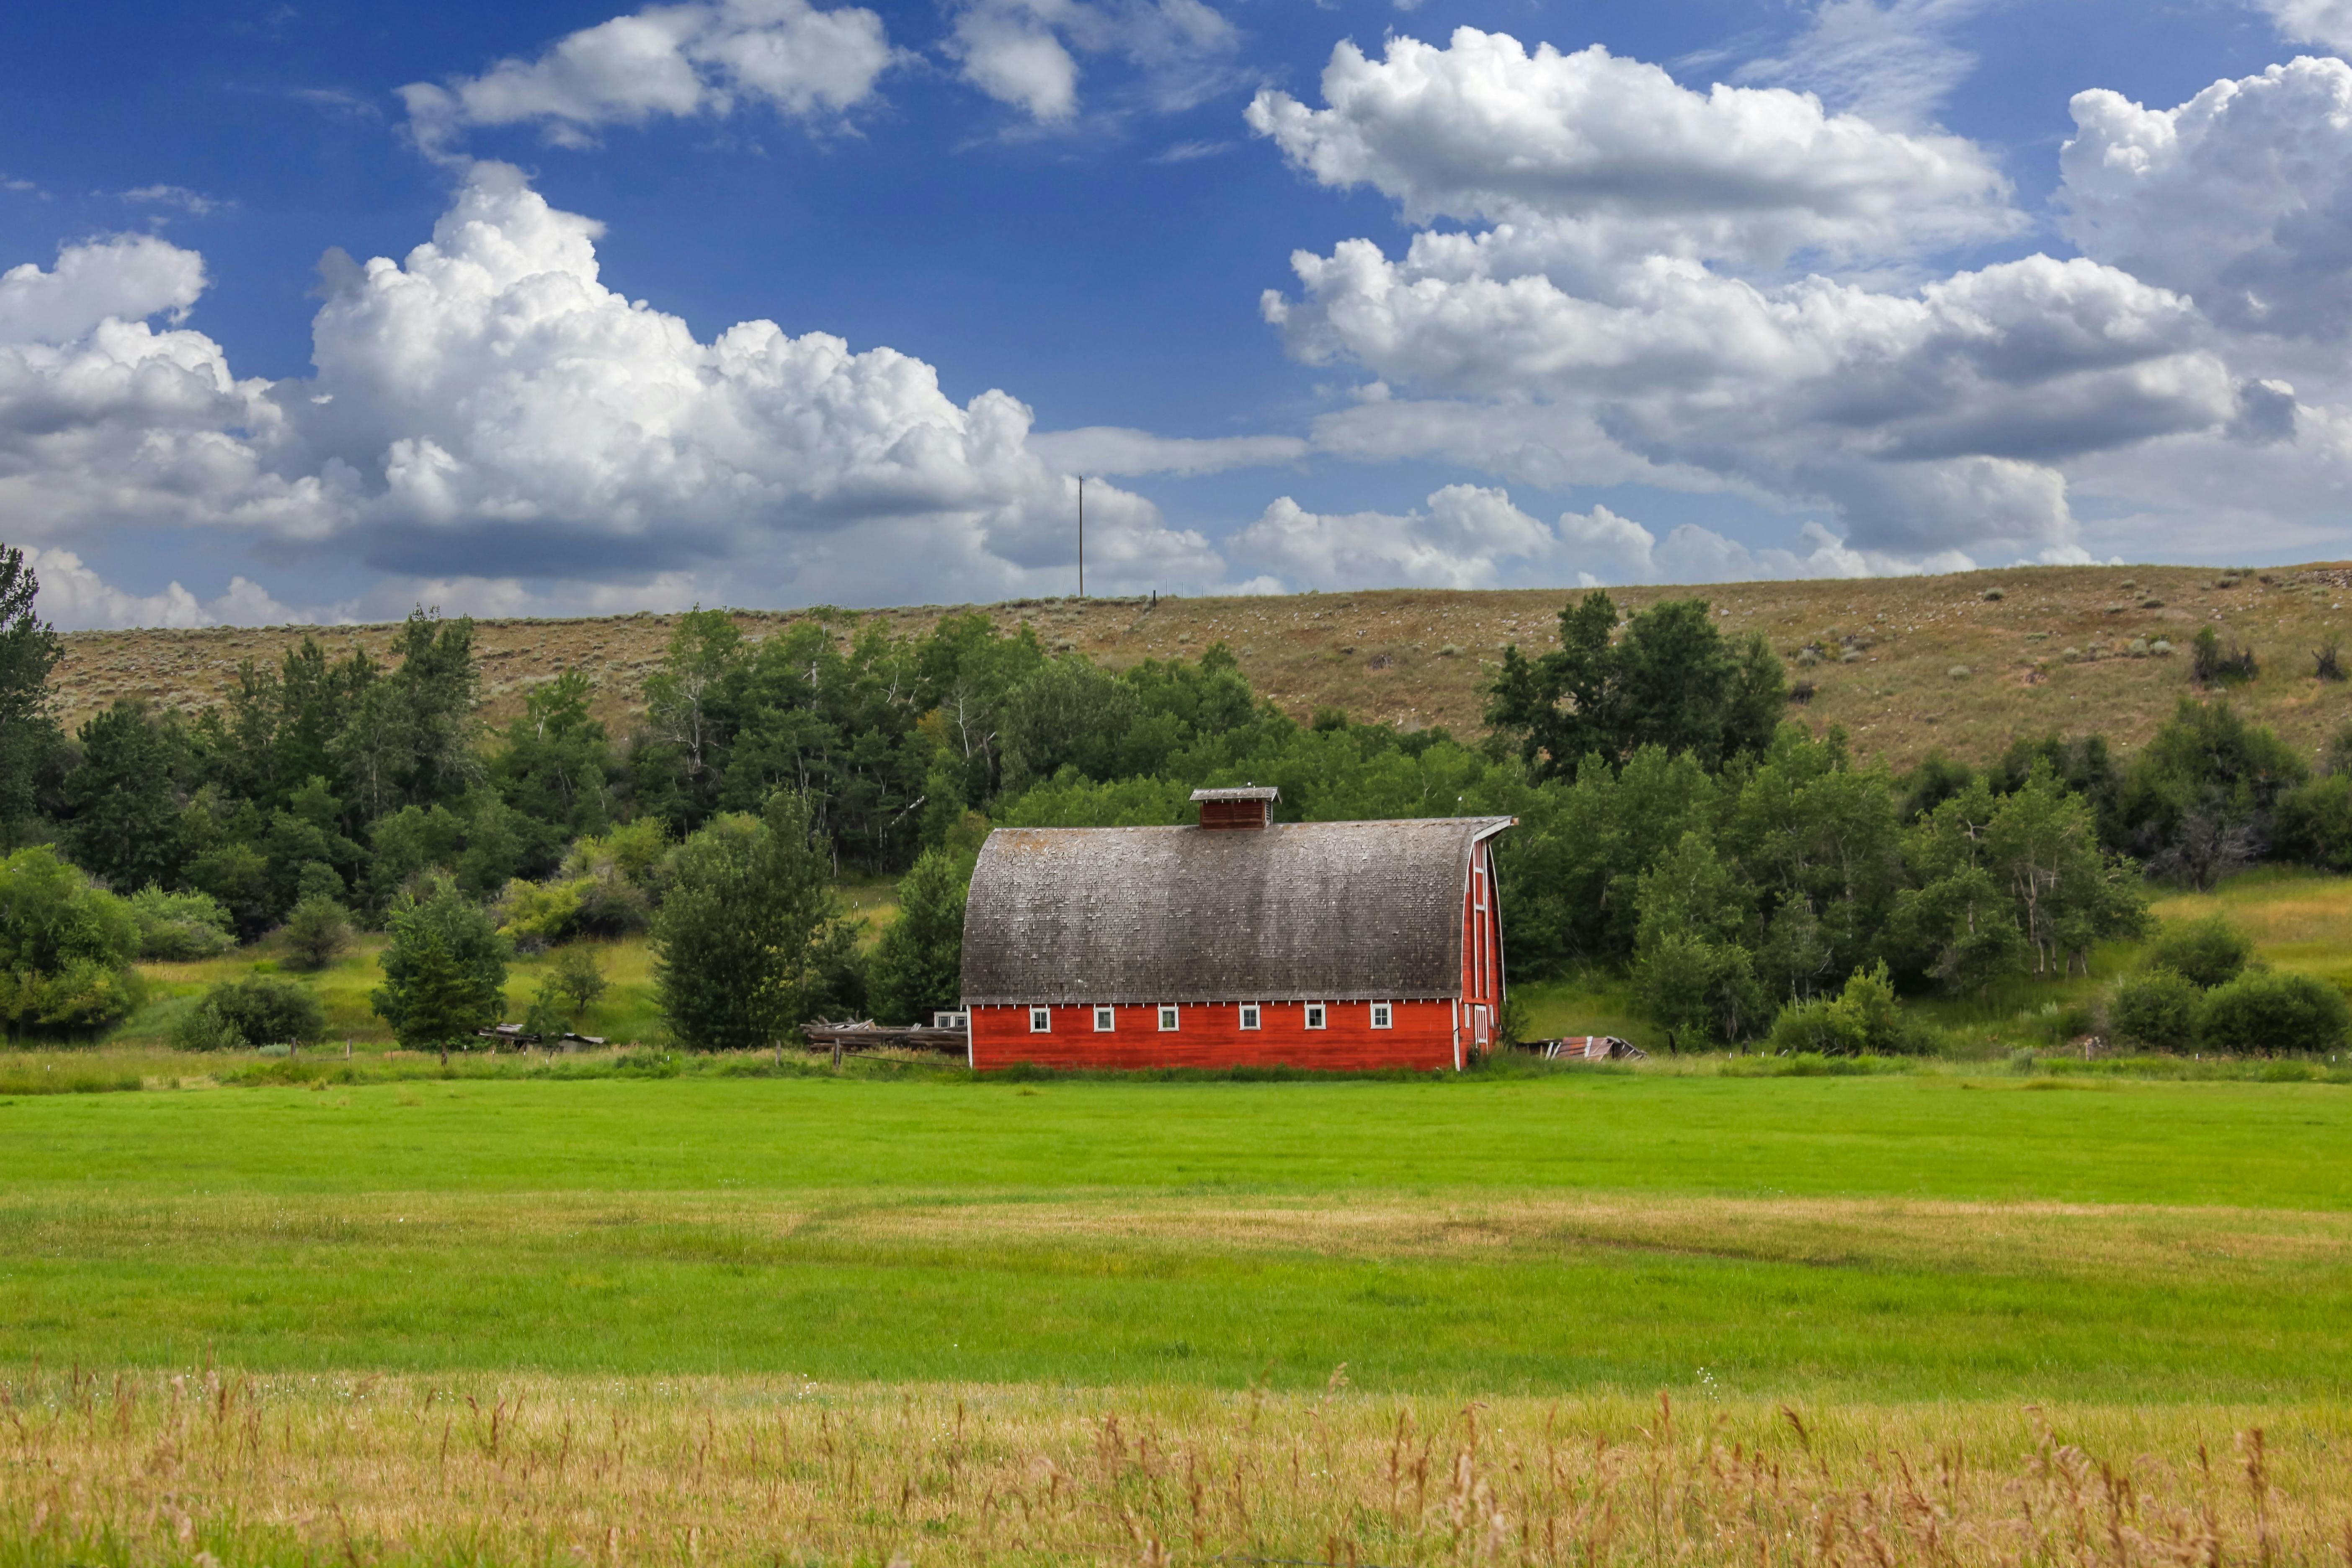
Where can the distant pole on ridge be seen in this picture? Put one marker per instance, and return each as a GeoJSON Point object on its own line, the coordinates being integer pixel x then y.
{"type": "Point", "coordinates": [1082, 536]}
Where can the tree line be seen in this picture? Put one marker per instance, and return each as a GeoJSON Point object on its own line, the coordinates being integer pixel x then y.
{"type": "Point", "coordinates": [1676, 826]}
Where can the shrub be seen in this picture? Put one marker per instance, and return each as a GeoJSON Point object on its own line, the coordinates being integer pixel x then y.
{"type": "Point", "coordinates": [2263, 1012]}
{"type": "Point", "coordinates": [2156, 1008]}
{"type": "Point", "coordinates": [265, 1010]}
{"type": "Point", "coordinates": [316, 933]}
{"type": "Point", "coordinates": [176, 928]}
{"type": "Point", "coordinates": [1864, 1019]}
{"type": "Point", "coordinates": [202, 1029]}
{"type": "Point", "coordinates": [2213, 662]}
{"type": "Point", "coordinates": [65, 948]}
{"type": "Point", "coordinates": [536, 914]}
{"type": "Point", "coordinates": [2207, 952]}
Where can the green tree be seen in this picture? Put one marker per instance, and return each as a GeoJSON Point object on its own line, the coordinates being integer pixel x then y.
{"type": "Point", "coordinates": [29, 650]}
{"type": "Point", "coordinates": [1693, 967]}
{"type": "Point", "coordinates": [553, 772]}
{"type": "Point", "coordinates": [2198, 800]}
{"type": "Point", "coordinates": [444, 970]}
{"type": "Point", "coordinates": [316, 932]}
{"type": "Point", "coordinates": [66, 949]}
{"type": "Point", "coordinates": [412, 737]}
{"type": "Point", "coordinates": [1670, 681]}
{"type": "Point", "coordinates": [748, 931]}
{"type": "Point", "coordinates": [125, 805]}
{"type": "Point", "coordinates": [918, 965]}
{"type": "Point", "coordinates": [575, 979]}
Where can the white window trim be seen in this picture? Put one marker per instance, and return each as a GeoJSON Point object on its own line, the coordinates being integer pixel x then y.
{"type": "Point", "coordinates": [1105, 1020]}
{"type": "Point", "coordinates": [1317, 1015]}
{"type": "Point", "coordinates": [1383, 1015]}
{"type": "Point", "coordinates": [1250, 1015]}
{"type": "Point", "coordinates": [1041, 1020]}
{"type": "Point", "coordinates": [1170, 1019]}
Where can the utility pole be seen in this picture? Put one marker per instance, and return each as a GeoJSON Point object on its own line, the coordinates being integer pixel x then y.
{"type": "Point", "coordinates": [1082, 536]}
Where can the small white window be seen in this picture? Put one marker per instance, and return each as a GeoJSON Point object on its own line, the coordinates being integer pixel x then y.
{"type": "Point", "coordinates": [1041, 1020]}
{"type": "Point", "coordinates": [1314, 1014]}
{"type": "Point", "coordinates": [1380, 1017]}
{"type": "Point", "coordinates": [1249, 1014]}
{"type": "Point", "coordinates": [1167, 1018]}
{"type": "Point", "coordinates": [1105, 1020]}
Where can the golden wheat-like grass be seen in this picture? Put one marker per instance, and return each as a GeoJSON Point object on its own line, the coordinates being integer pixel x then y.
{"type": "Point", "coordinates": [227, 1469]}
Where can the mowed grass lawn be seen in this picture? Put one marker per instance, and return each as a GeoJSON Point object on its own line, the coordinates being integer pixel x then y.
{"type": "Point", "coordinates": [1871, 1238]}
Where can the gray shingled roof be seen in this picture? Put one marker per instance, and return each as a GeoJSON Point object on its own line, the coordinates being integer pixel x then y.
{"type": "Point", "coordinates": [1329, 911]}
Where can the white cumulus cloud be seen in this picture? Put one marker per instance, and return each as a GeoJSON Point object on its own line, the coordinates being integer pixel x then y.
{"type": "Point", "coordinates": [1587, 159]}
{"type": "Point", "coordinates": [2241, 198]}
{"type": "Point", "coordinates": [671, 61]}
{"type": "Point", "coordinates": [486, 416]}
{"type": "Point", "coordinates": [1618, 314]}
{"type": "Point", "coordinates": [130, 275]}
{"type": "Point", "coordinates": [2327, 23]}
{"type": "Point", "coordinates": [77, 598]}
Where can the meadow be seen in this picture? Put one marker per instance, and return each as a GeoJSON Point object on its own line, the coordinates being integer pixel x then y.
{"type": "Point", "coordinates": [623, 1305]}
{"type": "Point", "coordinates": [1598, 1316]}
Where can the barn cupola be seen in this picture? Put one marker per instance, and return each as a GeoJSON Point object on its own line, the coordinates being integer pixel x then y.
{"type": "Point", "coordinates": [1250, 806]}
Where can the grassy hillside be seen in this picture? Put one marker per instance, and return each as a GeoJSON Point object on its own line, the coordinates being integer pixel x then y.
{"type": "Point", "coordinates": [1913, 664]}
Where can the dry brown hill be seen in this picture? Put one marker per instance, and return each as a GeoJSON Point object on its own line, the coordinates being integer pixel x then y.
{"type": "Point", "coordinates": [1912, 664]}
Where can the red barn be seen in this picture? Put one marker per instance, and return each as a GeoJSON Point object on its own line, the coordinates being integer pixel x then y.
{"type": "Point", "coordinates": [1239, 941]}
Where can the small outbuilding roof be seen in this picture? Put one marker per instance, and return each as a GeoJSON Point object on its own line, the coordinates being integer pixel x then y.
{"type": "Point", "coordinates": [1330, 911]}
{"type": "Point", "coordinates": [1267, 793]}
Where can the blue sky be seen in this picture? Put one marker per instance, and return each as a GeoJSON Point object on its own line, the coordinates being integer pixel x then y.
{"type": "Point", "coordinates": [1765, 289]}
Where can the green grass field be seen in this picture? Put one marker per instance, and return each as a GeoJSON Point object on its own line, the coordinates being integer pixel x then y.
{"type": "Point", "coordinates": [624, 1308]}
{"type": "Point", "coordinates": [1850, 1239]}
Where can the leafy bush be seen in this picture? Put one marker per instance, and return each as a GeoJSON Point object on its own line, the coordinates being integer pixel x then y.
{"type": "Point", "coordinates": [2206, 953]}
{"type": "Point", "coordinates": [254, 1009]}
{"type": "Point", "coordinates": [2155, 1008]}
{"type": "Point", "coordinates": [1864, 1019]}
{"type": "Point", "coordinates": [65, 948]}
{"type": "Point", "coordinates": [2265, 1012]}
{"type": "Point", "coordinates": [177, 928]}
{"type": "Point", "coordinates": [535, 914]}
{"type": "Point", "coordinates": [202, 1029]}
{"type": "Point", "coordinates": [316, 933]}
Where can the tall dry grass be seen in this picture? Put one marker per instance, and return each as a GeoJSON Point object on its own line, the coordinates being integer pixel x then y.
{"type": "Point", "coordinates": [211, 1469]}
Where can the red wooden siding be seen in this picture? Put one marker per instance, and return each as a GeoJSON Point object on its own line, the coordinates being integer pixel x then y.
{"type": "Point", "coordinates": [1210, 1036]}
{"type": "Point", "coordinates": [1233, 814]}
{"type": "Point", "coordinates": [1482, 948]}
